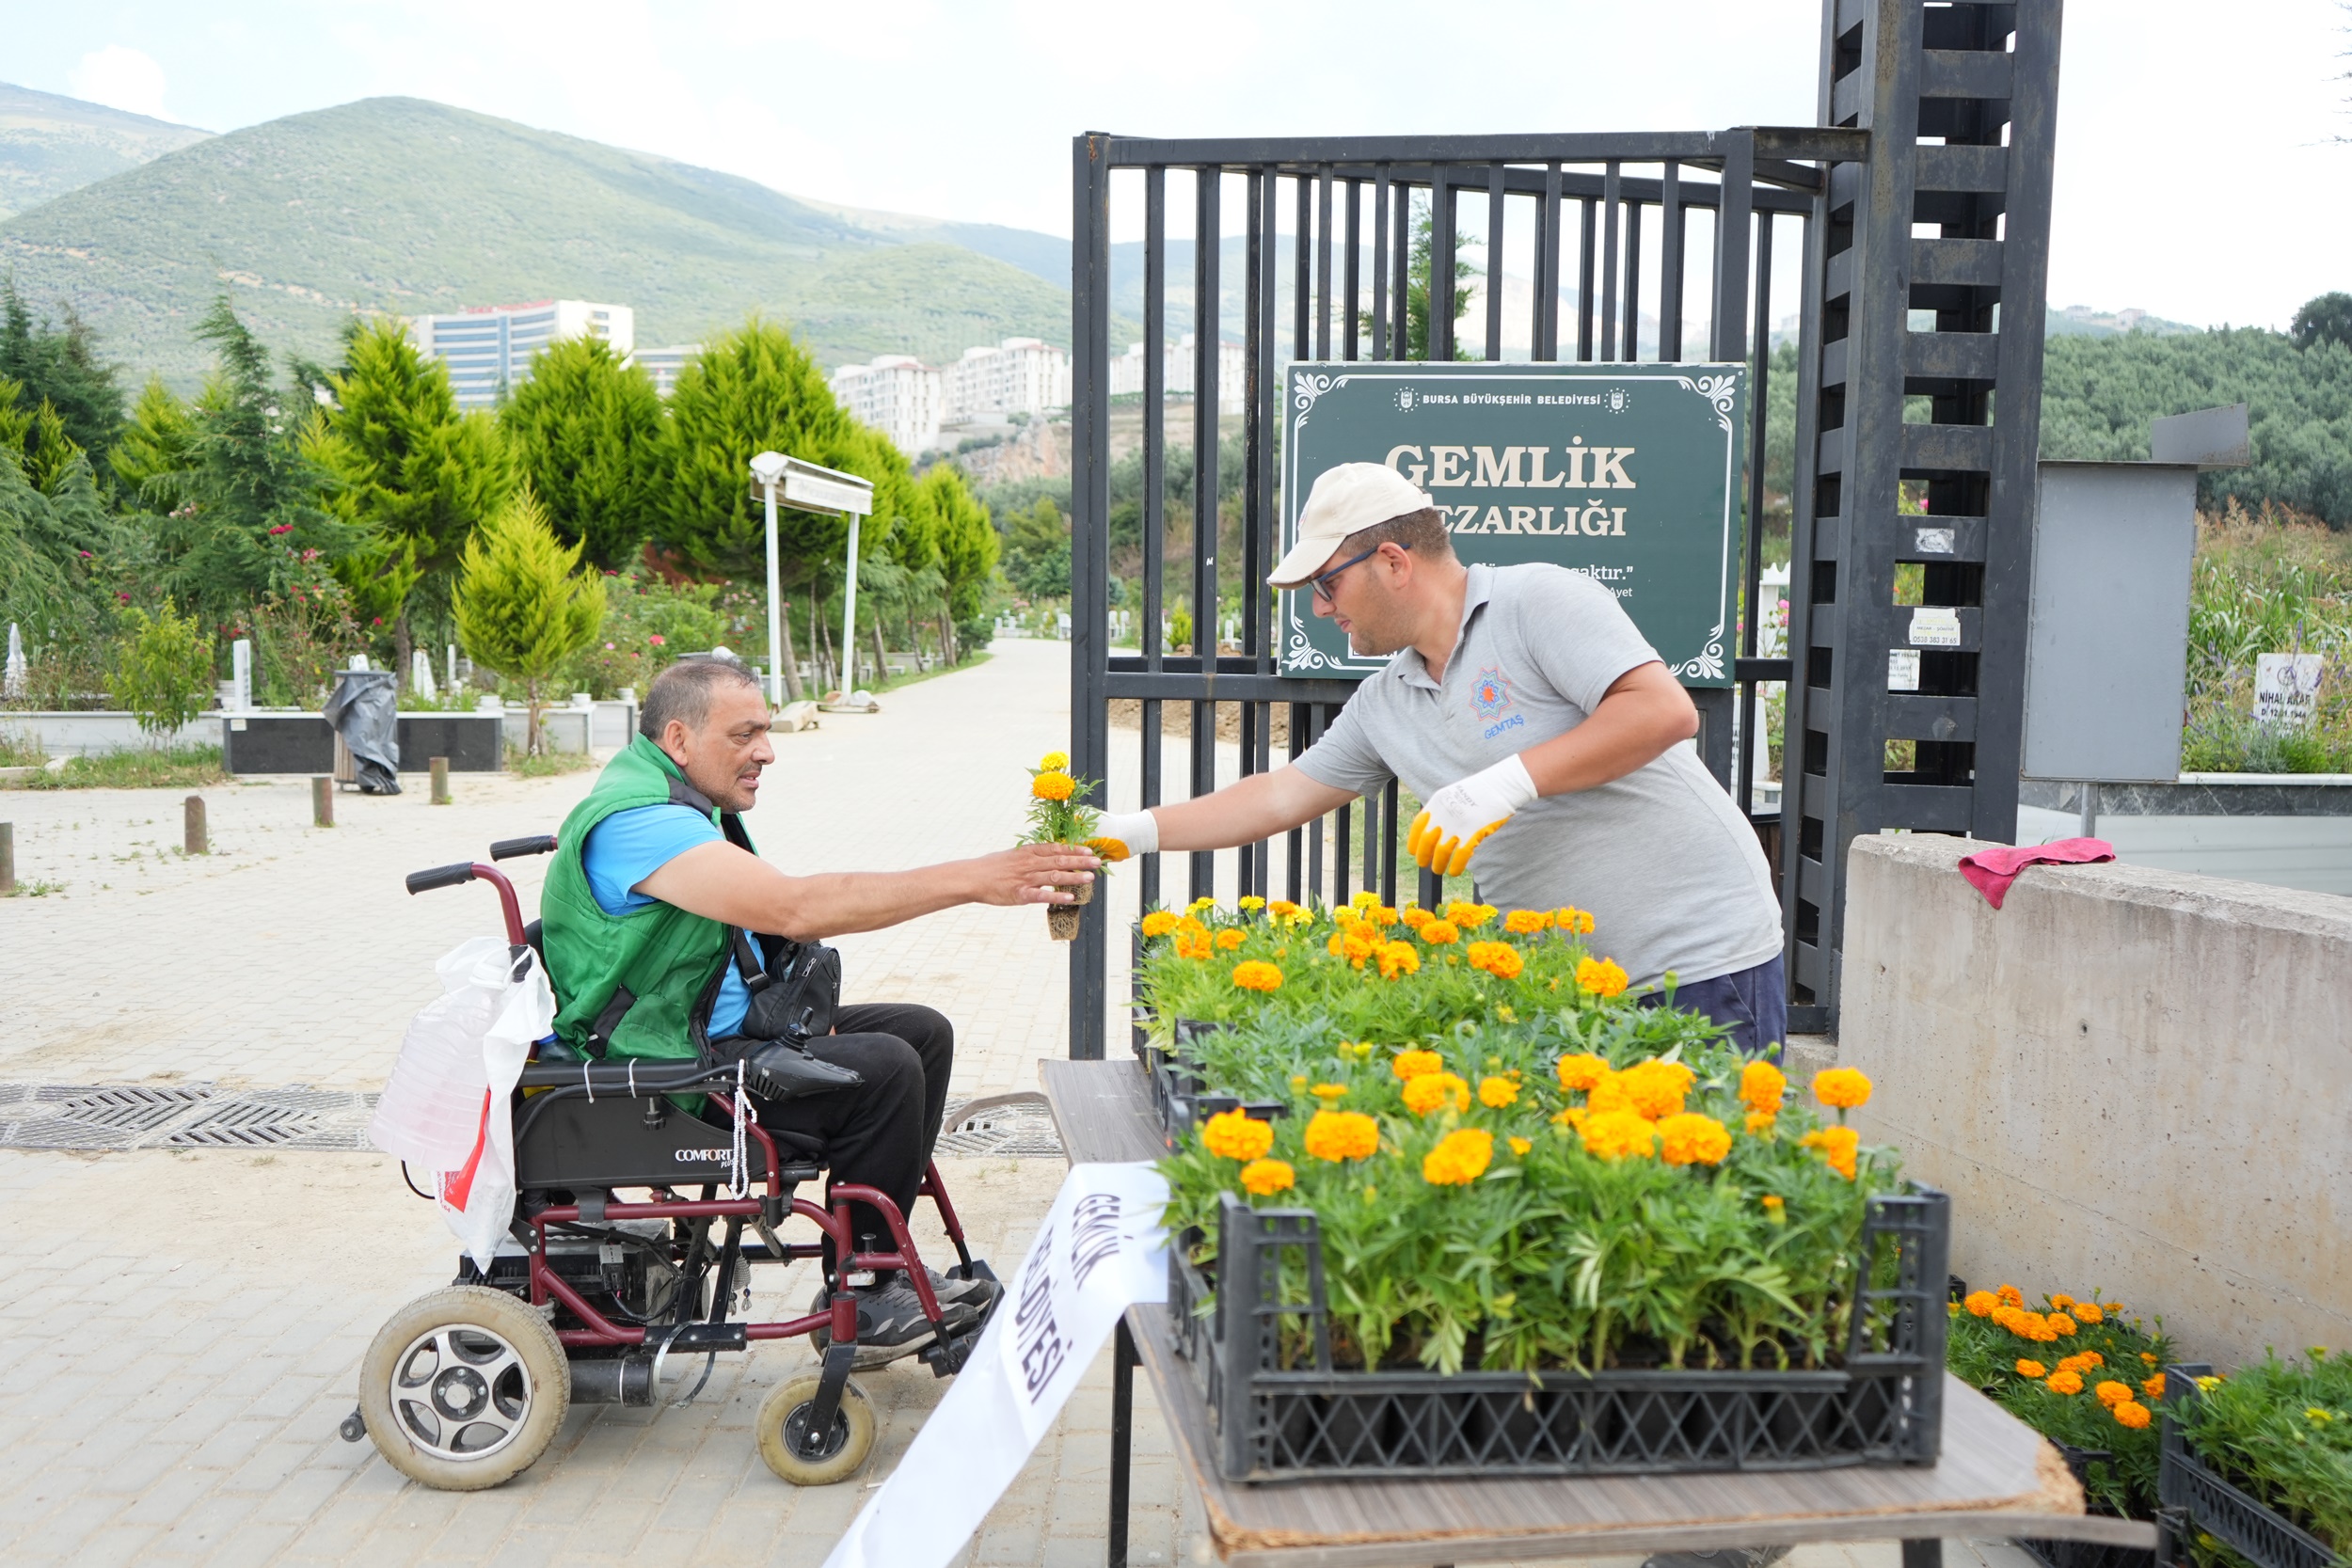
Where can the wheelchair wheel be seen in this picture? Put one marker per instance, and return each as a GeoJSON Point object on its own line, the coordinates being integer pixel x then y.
{"type": "Point", "coordinates": [464, 1388]}
{"type": "Point", "coordinates": [784, 1434]}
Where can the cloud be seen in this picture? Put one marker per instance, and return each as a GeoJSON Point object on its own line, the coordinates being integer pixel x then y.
{"type": "Point", "coordinates": [120, 78]}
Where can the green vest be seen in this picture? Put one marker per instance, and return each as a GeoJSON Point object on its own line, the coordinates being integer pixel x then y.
{"type": "Point", "coordinates": [668, 959]}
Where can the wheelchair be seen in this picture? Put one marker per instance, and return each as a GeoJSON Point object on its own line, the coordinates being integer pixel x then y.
{"type": "Point", "coordinates": [589, 1298]}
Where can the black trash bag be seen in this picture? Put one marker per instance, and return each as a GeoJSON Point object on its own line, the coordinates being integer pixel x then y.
{"type": "Point", "coordinates": [365, 711]}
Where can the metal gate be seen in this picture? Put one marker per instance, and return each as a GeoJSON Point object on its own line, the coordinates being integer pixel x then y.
{"type": "Point", "coordinates": [1333, 223]}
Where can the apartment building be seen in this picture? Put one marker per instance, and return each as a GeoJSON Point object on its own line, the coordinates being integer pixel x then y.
{"type": "Point", "coordinates": [896, 394]}
{"type": "Point", "coordinates": [487, 348]}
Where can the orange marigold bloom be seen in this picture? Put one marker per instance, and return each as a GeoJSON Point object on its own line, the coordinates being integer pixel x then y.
{"type": "Point", "coordinates": [1439, 932]}
{"type": "Point", "coordinates": [1601, 976]}
{"type": "Point", "coordinates": [1459, 1159]}
{"type": "Point", "coordinates": [1519, 1146]}
{"type": "Point", "coordinates": [1774, 1203]}
{"type": "Point", "coordinates": [2060, 1323]}
{"type": "Point", "coordinates": [2032, 1370]}
{"type": "Point", "coordinates": [1264, 1178]}
{"type": "Point", "coordinates": [2089, 1312]}
{"type": "Point", "coordinates": [1497, 1092]}
{"type": "Point", "coordinates": [1843, 1087]}
{"type": "Point", "coordinates": [1575, 921]}
{"type": "Point", "coordinates": [1837, 1146]}
{"type": "Point", "coordinates": [2012, 1295]}
{"type": "Point", "coordinates": [1398, 957]}
{"type": "Point", "coordinates": [1497, 958]}
{"type": "Point", "coordinates": [1230, 939]}
{"type": "Point", "coordinates": [1526, 922]}
{"type": "Point", "coordinates": [1581, 1070]}
{"type": "Point", "coordinates": [1234, 1135]}
{"type": "Point", "coordinates": [1760, 1123]}
{"type": "Point", "coordinates": [1434, 1090]}
{"type": "Point", "coordinates": [1053, 784]}
{"type": "Point", "coordinates": [1257, 974]}
{"type": "Point", "coordinates": [1159, 922]}
{"type": "Point", "coordinates": [1615, 1134]}
{"type": "Point", "coordinates": [1338, 1136]}
{"type": "Point", "coordinates": [2153, 1388]}
{"type": "Point", "coordinates": [2065, 1382]}
{"type": "Point", "coordinates": [1380, 914]}
{"type": "Point", "coordinates": [1415, 916]}
{"type": "Point", "coordinates": [1690, 1139]}
{"type": "Point", "coordinates": [2061, 1301]}
{"type": "Point", "coordinates": [1656, 1089]}
{"type": "Point", "coordinates": [2111, 1393]}
{"type": "Point", "coordinates": [1329, 1091]}
{"type": "Point", "coordinates": [2133, 1414]}
{"type": "Point", "coordinates": [1762, 1086]}
{"type": "Point", "coordinates": [1981, 1302]}
{"type": "Point", "coordinates": [1409, 1065]}
{"type": "Point", "coordinates": [1194, 944]}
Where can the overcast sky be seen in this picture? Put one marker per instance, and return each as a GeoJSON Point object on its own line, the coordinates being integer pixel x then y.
{"type": "Point", "coordinates": [2202, 171]}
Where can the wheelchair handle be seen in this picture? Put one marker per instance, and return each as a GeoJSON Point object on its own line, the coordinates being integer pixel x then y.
{"type": "Point", "coordinates": [539, 843]}
{"type": "Point", "coordinates": [451, 876]}
{"type": "Point", "coordinates": [441, 876]}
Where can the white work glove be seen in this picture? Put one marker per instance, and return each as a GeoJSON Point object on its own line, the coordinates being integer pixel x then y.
{"type": "Point", "coordinates": [1122, 833]}
{"type": "Point", "coordinates": [1460, 817]}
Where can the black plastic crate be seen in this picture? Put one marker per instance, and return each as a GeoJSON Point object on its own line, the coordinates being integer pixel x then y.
{"type": "Point", "coordinates": [2083, 1554]}
{"type": "Point", "coordinates": [2212, 1503]}
{"type": "Point", "coordinates": [1884, 1406]}
{"type": "Point", "coordinates": [1182, 1096]}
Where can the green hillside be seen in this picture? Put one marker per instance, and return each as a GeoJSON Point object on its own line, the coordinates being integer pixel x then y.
{"type": "Point", "coordinates": [51, 145]}
{"type": "Point", "coordinates": [405, 206]}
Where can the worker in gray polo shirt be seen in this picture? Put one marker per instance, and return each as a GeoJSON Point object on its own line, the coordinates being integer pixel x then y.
{"type": "Point", "coordinates": [1551, 746]}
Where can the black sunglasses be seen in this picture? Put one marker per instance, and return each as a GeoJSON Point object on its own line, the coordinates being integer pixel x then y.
{"type": "Point", "coordinates": [1322, 585]}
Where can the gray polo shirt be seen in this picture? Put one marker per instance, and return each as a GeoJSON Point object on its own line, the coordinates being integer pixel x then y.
{"type": "Point", "coordinates": [1661, 857]}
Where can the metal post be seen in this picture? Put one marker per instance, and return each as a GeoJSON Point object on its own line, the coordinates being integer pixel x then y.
{"type": "Point", "coordinates": [775, 606]}
{"type": "Point", "coordinates": [194, 839]}
{"type": "Point", "coordinates": [321, 802]}
{"type": "Point", "coordinates": [7, 859]}
{"type": "Point", "coordinates": [440, 780]}
{"type": "Point", "coordinates": [2089, 810]}
{"type": "Point", "coordinates": [1122, 1436]}
{"type": "Point", "coordinates": [848, 622]}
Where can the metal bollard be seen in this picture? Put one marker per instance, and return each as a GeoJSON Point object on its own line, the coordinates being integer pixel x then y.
{"type": "Point", "coordinates": [7, 859]}
{"type": "Point", "coordinates": [440, 780]}
{"type": "Point", "coordinates": [321, 802]}
{"type": "Point", "coordinates": [195, 840]}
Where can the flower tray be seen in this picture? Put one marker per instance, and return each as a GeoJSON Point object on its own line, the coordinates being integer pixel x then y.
{"type": "Point", "coordinates": [1884, 1406]}
{"type": "Point", "coordinates": [2085, 1554]}
{"type": "Point", "coordinates": [2188, 1486]}
{"type": "Point", "coordinates": [1182, 1097]}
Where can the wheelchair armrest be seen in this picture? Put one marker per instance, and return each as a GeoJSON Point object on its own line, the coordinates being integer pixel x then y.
{"type": "Point", "coordinates": [651, 1077]}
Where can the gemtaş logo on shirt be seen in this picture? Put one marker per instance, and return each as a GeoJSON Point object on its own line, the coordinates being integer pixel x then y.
{"type": "Point", "coordinates": [1490, 699]}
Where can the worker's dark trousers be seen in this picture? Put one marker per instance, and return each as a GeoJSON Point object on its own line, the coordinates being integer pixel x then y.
{"type": "Point", "coordinates": [1752, 1004]}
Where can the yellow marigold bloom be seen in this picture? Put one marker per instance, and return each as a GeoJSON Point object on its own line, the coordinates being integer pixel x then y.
{"type": "Point", "coordinates": [1690, 1139]}
{"type": "Point", "coordinates": [1159, 922]}
{"type": "Point", "coordinates": [2209, 1383]}
{"type": "Point", "coordinates": [1053, 786]}
{"type": "Point", "coordinates": [1364, 899]}
{"type": "Point", "coordinates": [1252, 902]}
{"type": "Point", "coordinates": [1380, 914]}
{"type": "Point", "coordinates": [1837, 1146]}
{"type": "Point", "coordinates": [1574, 921]}
{"type": "Point", "coordinates": [2089, 1312]}
{"type": "Point", "coordinates": [1432, 1091]}
{"type": "Point", "coordinates": [2032, 1369]}
{"type": "Point", "coordinates": [1264, 1178]}
{"type": "Point", "coordinates": [1762, 1086]}
{"type": "Point", "coordinates": [1526, 922]}
{"type": "Point", "coordinates": [1338, 1136]}
{"type": "Point", "coordinates": [2060, 1323]}
{"type": "Point", "coordinates": [1773, 1202]}
{"type": "Point", "coordinates": [1656, 1089]}
{"type": "Point", "coordinates": [1981, 1302]}
{"type": "Point", "coordinates": [1234, 1136]}
{"type": "Point", "coordinates": [1460, 1158]}
{"type": "Point", "coordinates": [2064, 1382]}
{"type": "Point", "coordinates": [1054, 762]}
{"type": "Point", "coordinates": [2153, 1388]}
{"type": "Point", "coordinates": [1600, 976]}
{"type": "Point", "coordinates": [1760, 1123]}
{"type": "Point", "coordinates": [1581, 1071]}
{"type": "Point", "coordinates": [1205, 902]}
{"type": "Point", "coordinates": [1505, 1013]}
{"type": "Point", "coordinates": [1257, 974]}
{"type": "Point", "coordinates": [2133, 1414]}
{"type": "Point", "coordinates": [1415, 916]}
{"type": "Point", "coordinates": [1230, 939]}
{"type": "Point", "coordinates": [1409, 1065]}
{"type": "Point", "coordinates": [1497, 1092]}
{"type": "Point", "coordinates": [1519, 1146]}
{"type": "Point", "coordinates": [1329, 1091]}
{"type": "Point", "coordinates": [1844, 1087]}
{"type": "Point", "coordinates": [1615, 1134]}
{"type": "Point", "coordinates": [1398, 957]}
{"type": "Point", "coordinates": [2318, 1415]}
{"type": "Point", "coordinates": [1573, 1116]}
{"type": "Point", "coordinates": [2111, 1393]}
{"type": "Point", "coordinates": [1439, 932]}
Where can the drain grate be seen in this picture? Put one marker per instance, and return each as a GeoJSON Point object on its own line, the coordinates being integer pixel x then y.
{"type": "Point", "coordinates": [244, 1124]}
{"type": "Point", "coordinates": [202, 1116]}
{"type": "Point", "coordinates": [128, 1109]}
{"type": "Point", "coordinates": [1017, 1127]}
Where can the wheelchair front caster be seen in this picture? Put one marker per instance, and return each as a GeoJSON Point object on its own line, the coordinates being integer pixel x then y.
{"type": "Point", "coordinates": [800, 1456]}
{"type": "Point", "coordinates": [464, 1388]}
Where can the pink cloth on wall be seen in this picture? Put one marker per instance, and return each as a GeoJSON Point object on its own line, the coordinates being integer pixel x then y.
{"type": "Point", "coordinates": [1990, 871]}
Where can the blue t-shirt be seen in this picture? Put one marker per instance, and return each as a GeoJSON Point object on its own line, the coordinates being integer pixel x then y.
{"type": "Point", "coordinates": [630, 846]}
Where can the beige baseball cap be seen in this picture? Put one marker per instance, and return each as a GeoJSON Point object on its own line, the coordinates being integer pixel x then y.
{"type": "Point", "coordinates": [1347, 499]}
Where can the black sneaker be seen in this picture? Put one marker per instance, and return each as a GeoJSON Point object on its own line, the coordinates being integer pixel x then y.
{"type": "Point", "coordinates": [953, 1290]}
{"type": "Point", "coordinates": [890, 1322]}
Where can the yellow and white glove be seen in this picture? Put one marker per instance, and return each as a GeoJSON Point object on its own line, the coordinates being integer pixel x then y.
{"type": "Point", "coordinates": [1463, 814]}
{"type": "Point", "coordinates": [1120, 834]}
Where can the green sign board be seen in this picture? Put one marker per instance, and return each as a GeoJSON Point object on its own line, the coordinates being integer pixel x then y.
{"type": "Point", "coordinates": [1627, 472]}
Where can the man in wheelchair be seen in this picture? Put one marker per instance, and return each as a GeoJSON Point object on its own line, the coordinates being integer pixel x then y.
{"type": "Point", "coordinates": [668, 938]}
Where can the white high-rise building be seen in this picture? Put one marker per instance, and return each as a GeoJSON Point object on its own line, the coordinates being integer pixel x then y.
{"type": "Point", "coordinates": [1020, 375]}
{"type": "Point", "coordinates": [488, 347]}
{"type": "Point", "coordinates": [663, 364]}
{"type": "Point", "coordinates": [898, 395]}
{"type": "Point", "coordinates": [1232, 369]}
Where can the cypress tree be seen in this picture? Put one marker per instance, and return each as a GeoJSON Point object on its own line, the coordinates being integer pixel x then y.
{"type": "Point", "coordinates": [586, 432]}
{"type": "Point", "coordinates": [519, 609]}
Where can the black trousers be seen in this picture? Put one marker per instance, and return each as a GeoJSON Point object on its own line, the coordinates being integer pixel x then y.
{"type": "Point", "coordinates": [879, 1134]}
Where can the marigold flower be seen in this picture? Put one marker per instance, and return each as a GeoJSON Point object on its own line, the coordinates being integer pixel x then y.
{"type": "Point", "coordinates": [1615, 1134]}
{"type": "Point", "coordinates": [1194, 944]}
{"type": "Point", "coordinates": [1380, 914]}
{"type": "Point", "coordinates": [1234, 1135]}
{"type": "Point", "coordinates": [1774, 1203]}
{"type": "Point", "coordinates": [2082, 1361]}
{"type": "Point", "coordinates": [1980, 1302]}
{"type": "Point", "coordinates": [1257, 974]}
{"type": "Point", "coordinates": [1111, 849]}
{"type": "Point", "coordinates": [2153, 1388]}
{"type": "Point", "coordinates": [1469, 916]}
{"type": "Point", "coordinates": [1497, 958]}
{"type": "Point", "coordinates": [2149, 1356]}
{"type": "Point", "coordinates": [2032, 1370]}
{"type": "Point", "coordinates": [1575, 921]}
{"type": "Point", "coordinates": [1281, 909]}
{"type": "Point", "coordinates": [1053, 786]}
{"type": "Point", "coordinates": [1398, 957]}
{"type": "Point", "coordinates": [2132, 1414]}
{"type": "Point", "coordinates": [2011, 1294]}
{"type": "Point", "coordinates": [1365, 898]}
{"type": "Point", "coordinates": [1843, 1087]}
{"type": "Point", "coordinates": [1439, 932]}
{"type": "Point", "coordinates": [2089, 1312]}
{"type": "Point", "coordinates": [1203, 902]}
{"type": "Point", "coordinates": [2061, 1301]}
{"type": "Point", "coordinates": [2111, 1393]}
{"type": "Point", "coordinates": [1837, 1146]}
{"type": "Point", "coordinates": [1690, 1139]}
{"type": "Point", "coordinates": [1252, 902]}
{"type": "Point", "coordinates": [1337, 944]}
{"type": "Point", "coordinates": [1329, 1091]}
{"type": "Point", "coordinates": [1264, 1178]}
{"type": "Point", "coordinates": [1338, 1136]}
{"type": "Point", "coordinates": [2060, 1323]}
{"type": "Point", "coordinates": [1526, 922]}
{"type": "Point", "coordinates": [1603, 977]}
{"type": "Point", "coordinates": [1655, 1089]}
{"type": "Point", "coordinates": [1433, 1091]}
{"type": "Point", "coordinates": [1054, 762]}
{"type": "Point", "coordinates": [1581, 1071]}
{"type": "Point", "coordinates": [1760, 1123]}
{"type": "Point", "coordinates": [1459, 1159]}
{"type": "Point", "coordinates": [1762, 1085]}
{"type": "Point", "coordinates": [1572, 1116]}
{"type": "Point", "coordinates": [2064, 1382]}
{"type": "Point", "coordinates": [1409, 1065]}
{"type": "Point", "coordinates": [1497, 1092]}
{"type": "Point", "coordinates": [1519, 1146]}
{"type": "Point", "coordinates": [1415, 916]}
{"type": "Point", "coordinates": [1231, 938]}
{"type": "Point", "coordinates": [1159, 922]}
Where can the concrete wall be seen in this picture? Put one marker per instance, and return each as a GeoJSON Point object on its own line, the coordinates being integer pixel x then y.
{"type": "Point", "coordinates": [99, 732]}
{"type": "Point", "coordinates": [2131, 1080]}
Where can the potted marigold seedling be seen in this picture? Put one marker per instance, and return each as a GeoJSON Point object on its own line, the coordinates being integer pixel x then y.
{"type": "Point", "coordinates": [1057, 815]}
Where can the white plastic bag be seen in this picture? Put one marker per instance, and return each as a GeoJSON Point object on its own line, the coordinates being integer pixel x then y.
{"type": "Point", "coordinates": [463, 1053]}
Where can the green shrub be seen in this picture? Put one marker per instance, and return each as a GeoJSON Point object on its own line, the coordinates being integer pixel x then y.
{"type": "Point", "coordinates": [164, 669]}
{"type": "Point", "coordinates": [521, 609]}
{"type": "Point", "coordinates": [647, 622]}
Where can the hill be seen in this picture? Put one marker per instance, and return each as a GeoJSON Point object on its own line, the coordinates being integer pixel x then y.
{"type": "Point", "coordinates": [401, 205]}
{"type": "Point", "coordinates": [51, 145]}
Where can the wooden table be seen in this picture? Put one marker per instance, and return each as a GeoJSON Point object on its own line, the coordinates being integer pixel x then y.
{"type": "Point", "coordinates": [1996, 1477]}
